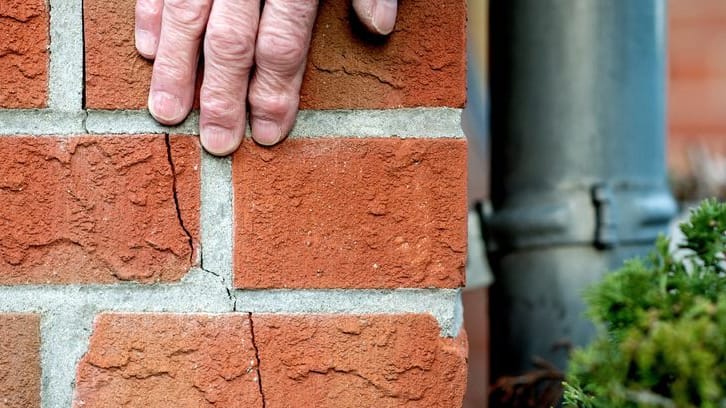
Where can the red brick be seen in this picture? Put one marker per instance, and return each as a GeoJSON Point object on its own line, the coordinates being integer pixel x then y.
{"type": "Point", "coordinates": [350, 213]}
{"type": "Point", "coordinates": [422, 63]}
{"type": "Point", "coordinates": [359, 361]}
{"type": "Point", "coordinates": [161, 360]}
{"type": "Point", "coordinates": [697, 106]}
{"type": "Point", "coordinates": [23, 53]}
{"type": "Point", "coordinates": [97, 209]}
{"type": "Point", "coordinates": [117, 77]}
{"type": "Point", "coordinates": [697, 82]}
{"type": "Point", "coordinates": [702, 12]}
{"type": "Point", "coordinates": [19, 361]}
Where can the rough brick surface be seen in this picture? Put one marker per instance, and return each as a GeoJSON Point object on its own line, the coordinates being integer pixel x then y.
{"type": "Point", "coordinates": [117, 77]}
{"type": "Point", "coordinates": [345, 212]}
{"type": "Point", "coordinates": [421, 64]}
{"type": "Point", "coordinates": [19, 361]}
{"type": "Point", "coordinates": [159, 361]}
{"type": "Point", "coordinates": [359, 361]}
{"type": "Point", "coordinates": [97, 209]}
{"type": "Point", "coordinates": [23, 53]}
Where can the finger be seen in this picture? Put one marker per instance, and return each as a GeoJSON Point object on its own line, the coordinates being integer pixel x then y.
{"type": "Point", "coordinates": [282, 46]}
{"type": "Point", "coordinates": [379, 16]}
{"type": "Point", "coordinates": [148, 26]}
{"type": "Point", "coordinates": [229, 46]}
{"type": "Point", "coordinates": [175, 67]}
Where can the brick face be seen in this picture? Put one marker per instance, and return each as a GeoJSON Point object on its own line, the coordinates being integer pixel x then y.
{"type": "Point", "coordinates": [116, 76]}
{"type": "Point", "coordinates": [19, 361]}
{"type": "Point", "coordinates": [192, 360]}
{"type": "Point", "coordinates": [421, 64]}
{"type": "Point", "coordinates": [350, 213]}
{"type": "Point", "coordinates": [159, 361]}
{"type": "Point", "coordinates": [23, 53]}
{"type": "Point", "coordinates": [359, 361]}
{"type": "Point", "coordinates": [96, 209]}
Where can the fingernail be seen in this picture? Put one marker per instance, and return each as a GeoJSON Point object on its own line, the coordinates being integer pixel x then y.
{"type": "Point", "coordinates": [218, 141]}
{"type": "Point", "coordinates": [145, 43]}
{"type": "Point", "coordinates": [383, 16]}
{"type": "Point", "coordinates": [165, 107]}
{"type": "Point", "coordinates": [266, 132]}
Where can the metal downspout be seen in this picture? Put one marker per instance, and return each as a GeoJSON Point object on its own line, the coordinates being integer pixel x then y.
{"type": "Point", "coordinates": [578, 162]}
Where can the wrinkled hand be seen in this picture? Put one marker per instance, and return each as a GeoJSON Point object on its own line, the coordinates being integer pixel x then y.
{"type": "Point", "coordinates": [237, 37]}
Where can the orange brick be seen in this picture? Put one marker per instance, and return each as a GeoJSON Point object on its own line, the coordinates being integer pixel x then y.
{"type": "Point", "coordinates": [97, 209]}
{"type": "Point", "coordinates": [359, 361]}
{"type": "Point", "coordinates": [350, 213]}
{"type": "Point", "coordinates": [23, 53]}
{"type": "Point", "coordinates": [697, 78]}
{"type": "Point", "coordinates": [697, 107]}
{"type": "Point", "coordinates": [19, 361]}
{"type": "Point", "coordinates": [160, 361]}
{"type": "Point", "coordinates": [421, 64]}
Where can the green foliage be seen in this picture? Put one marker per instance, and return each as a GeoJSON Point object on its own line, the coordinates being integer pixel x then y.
{"type": "Point", "coordinates": [662, 326]}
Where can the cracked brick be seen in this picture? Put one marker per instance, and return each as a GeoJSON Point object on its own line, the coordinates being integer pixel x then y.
{"type": "Point", "coordinates": [359, 361]}
{"type": "Point", "coordinates": [98, 209]}
{"type": "Point", "coordinates": [169, 360]}
{"type": "Point", "coordinates": [422, 63]}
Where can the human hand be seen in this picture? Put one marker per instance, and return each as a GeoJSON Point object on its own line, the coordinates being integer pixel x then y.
{"type": "Point", "coordinates": [236, 39]}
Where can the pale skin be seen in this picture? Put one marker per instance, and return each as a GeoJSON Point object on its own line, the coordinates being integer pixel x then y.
{"type": "Point", "coordinates": [253, 56]}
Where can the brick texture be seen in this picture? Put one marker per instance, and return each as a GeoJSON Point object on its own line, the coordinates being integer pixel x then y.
{"type": "Point", "coordinates": [19, 361]}
{"type": "Point", "coordinates": [159, 361]}
{"type": "Point", "coordinates": [162, 360]}
{"type": "Point", "coordinates": [422, 63]}
{"type": "Point", "coordinates": [23, 53]}
{"type": "Point", "coordinates": [350, 213]}
{"type": "Point", "coordinates": [359, 361]}
{"type": "Point", "coordinates": [97, 209]}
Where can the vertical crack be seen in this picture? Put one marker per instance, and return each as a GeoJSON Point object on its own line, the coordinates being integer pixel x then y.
{"type": "Point", "coordinates": [257, 358]}
{"type": "Point", "coordinates": [167, 140]}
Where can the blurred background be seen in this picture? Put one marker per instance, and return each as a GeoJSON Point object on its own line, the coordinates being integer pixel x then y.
{"type": "Point", "coordinates": [695, 133]}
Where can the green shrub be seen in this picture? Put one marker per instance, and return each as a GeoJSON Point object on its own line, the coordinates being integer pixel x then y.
{"type": "Point", "coordinates": [662, 326]}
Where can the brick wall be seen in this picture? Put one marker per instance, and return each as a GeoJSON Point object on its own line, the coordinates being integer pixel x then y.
{"type": "Point", "coordinates": [136, 270]}
{"type": "Point", "coordinates": [697, 93]}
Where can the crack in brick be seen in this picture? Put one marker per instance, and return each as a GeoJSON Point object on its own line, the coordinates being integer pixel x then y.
{"type": "Point", "coordinates": [257, 358]}
{"type": "Point", "coordinates": [354, 72]}
{"type": "Point", "coordinates": [167, 140]}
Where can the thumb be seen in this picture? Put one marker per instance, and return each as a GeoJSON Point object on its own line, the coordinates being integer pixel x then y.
{"type": "Point", "coordinates": [378, 15]}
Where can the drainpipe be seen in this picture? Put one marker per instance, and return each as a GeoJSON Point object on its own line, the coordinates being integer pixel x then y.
{"type": "Point", "coordinates": [578, 163]}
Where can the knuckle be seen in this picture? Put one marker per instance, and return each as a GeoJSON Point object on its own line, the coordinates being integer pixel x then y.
{"type": "Point", "coordinates": [171, 70]}
{"type": "Point", "coordinates": [270, 105]}
{"type": "Point", "coordinates": [229, 44]}
{"type": "Point", "coordinates": [187, 13]}
{"type": "Point", "coordinates": [281, 51]}
{"type": "Point", "coordinates": [219, 109]}
{"type": "Point", "coordinates": [146, 9]}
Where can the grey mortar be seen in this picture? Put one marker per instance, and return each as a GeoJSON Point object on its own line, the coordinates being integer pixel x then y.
{"type": "Point", "coordinates": [414, 122]}
{"type": "Point", "coordinates": [65, 79]}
